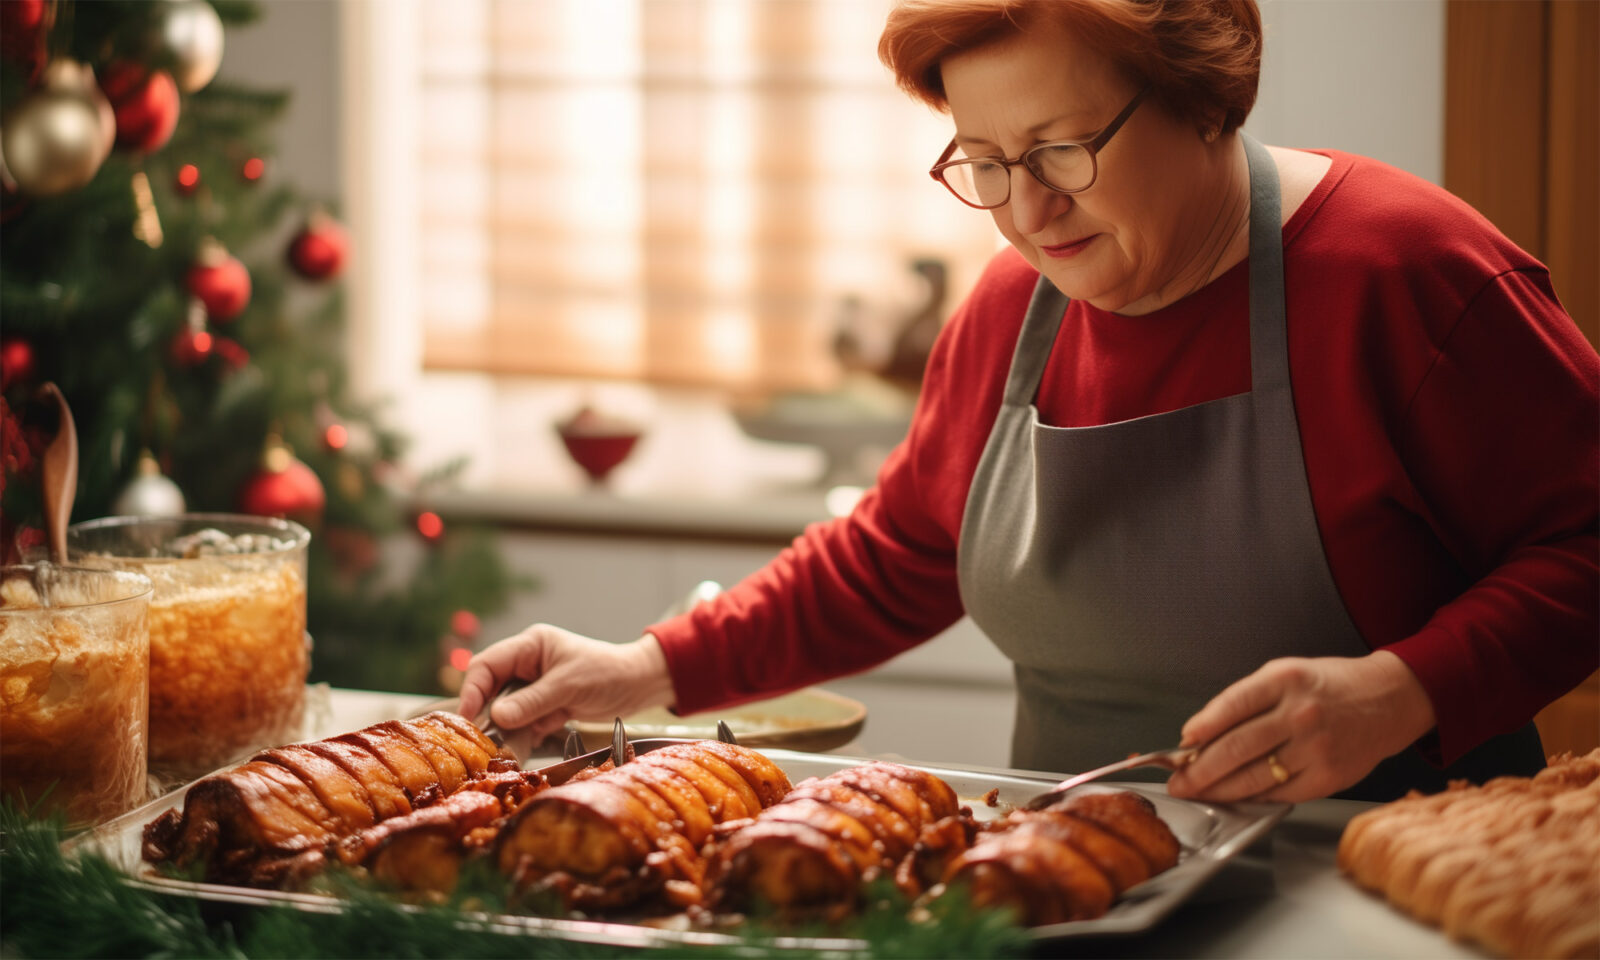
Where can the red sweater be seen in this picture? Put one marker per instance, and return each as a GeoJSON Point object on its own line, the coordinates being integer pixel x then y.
{"type": "Point", "coordinates": [1449, 415]}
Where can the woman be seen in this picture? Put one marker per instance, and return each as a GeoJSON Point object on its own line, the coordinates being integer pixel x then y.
{"type": "Point", "coordinates": [1283, 453]}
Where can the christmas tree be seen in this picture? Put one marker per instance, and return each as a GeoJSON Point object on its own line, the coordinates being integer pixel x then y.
{"type": "Point", "coordinates": [143, 271]}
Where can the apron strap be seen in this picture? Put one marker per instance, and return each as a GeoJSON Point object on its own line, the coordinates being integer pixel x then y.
{"type": "Point", "coordinates": [1034, 343]}
{"type": "Point", "coordinates": [1269, 352]}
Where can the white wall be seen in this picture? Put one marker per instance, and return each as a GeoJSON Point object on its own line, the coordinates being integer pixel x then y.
{"type": "Point", "coordinates": [1365, 76]}
{"type": "Point", "coordinates": [295, 46]}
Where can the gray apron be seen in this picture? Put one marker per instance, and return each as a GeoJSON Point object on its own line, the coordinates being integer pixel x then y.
{"type": "Point", "coordinates": [1132, 570]}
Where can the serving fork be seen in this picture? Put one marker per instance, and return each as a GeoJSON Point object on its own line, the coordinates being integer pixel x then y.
{"type": "Point", "coordinates": [1175, 758]}
{"type": "Point", "coordinates": [619, 751]}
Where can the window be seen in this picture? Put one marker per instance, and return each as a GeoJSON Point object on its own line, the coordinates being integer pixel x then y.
{"type": "Point", "coordinates": [679, 192]}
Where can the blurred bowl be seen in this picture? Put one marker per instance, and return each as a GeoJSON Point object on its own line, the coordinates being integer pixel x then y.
{"type": "Point", "coordinates": [598, 443]}
{"type": "Point", "coordinates": [599, 455]}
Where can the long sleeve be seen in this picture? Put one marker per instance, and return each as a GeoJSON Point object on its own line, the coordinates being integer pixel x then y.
{"type": "Point", "coordinates": [1503, 442]}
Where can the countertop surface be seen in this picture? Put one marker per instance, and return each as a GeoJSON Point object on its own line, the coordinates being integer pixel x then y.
{"type": "Point", "coordinates": [776, 515]}
{"type": "Point", "coordinates": [1282, 898]}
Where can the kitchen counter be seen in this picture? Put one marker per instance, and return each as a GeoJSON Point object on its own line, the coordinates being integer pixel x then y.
{"type": "Point", "coordinates": [1282, 898]}
{"type": "Point", "coordinates": [772, 516]}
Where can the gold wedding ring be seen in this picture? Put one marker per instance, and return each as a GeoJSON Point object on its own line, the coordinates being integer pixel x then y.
{"type": "Point", "coordinates": [1280, 773]}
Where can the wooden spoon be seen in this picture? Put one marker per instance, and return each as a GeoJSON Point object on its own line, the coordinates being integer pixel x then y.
{"type": "Point", "coordinates": [60, 472]}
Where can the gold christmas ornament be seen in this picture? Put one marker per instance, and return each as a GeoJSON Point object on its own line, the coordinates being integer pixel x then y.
{"type": "Point", "coordinates": [57, 138]}
{"type": "Point", "coordinates": [192, 33]}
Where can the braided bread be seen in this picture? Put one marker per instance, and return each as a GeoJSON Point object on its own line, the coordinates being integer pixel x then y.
{"type": "Point", "coordinates": [1513, 865]}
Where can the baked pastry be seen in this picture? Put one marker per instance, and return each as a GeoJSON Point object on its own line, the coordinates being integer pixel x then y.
{"type": "Point", "coordinates": [1512, 865]}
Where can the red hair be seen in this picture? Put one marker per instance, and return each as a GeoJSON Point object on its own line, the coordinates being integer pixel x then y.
{"type": "Point", "coordinates": [1201, 58]}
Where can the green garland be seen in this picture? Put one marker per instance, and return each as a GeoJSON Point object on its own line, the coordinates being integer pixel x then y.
{"type": "Point", "coordinates": [55, 906]}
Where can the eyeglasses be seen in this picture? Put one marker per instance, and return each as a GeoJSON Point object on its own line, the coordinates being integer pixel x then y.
{"type": "Point", "coordinates": [1065, 166]}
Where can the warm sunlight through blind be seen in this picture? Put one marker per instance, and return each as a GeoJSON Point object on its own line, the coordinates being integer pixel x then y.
{"type": "Point", "coordinates": [675, 191]}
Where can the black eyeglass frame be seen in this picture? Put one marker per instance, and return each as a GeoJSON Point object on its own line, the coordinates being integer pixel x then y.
{"type": "Point", "coordinates": [1093, 146]}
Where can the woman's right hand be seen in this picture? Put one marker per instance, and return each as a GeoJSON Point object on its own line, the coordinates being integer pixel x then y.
{"type": "Point", "coordinates": [571, 677]}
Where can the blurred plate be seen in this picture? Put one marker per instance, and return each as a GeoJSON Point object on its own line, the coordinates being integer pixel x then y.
{"type": "Point", "coordinates": [811, 720]}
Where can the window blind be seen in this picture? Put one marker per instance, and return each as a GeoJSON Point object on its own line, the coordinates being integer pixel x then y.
{"type": "Point", "coordinates": [671, 191]}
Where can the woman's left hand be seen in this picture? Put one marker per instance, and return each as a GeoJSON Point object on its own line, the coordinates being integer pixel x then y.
{"type": "Point", "coordinates": [1300, 729]}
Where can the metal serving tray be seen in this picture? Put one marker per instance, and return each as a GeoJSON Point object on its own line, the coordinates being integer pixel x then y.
{"type": "Point", "coordinates": [1211, 835]}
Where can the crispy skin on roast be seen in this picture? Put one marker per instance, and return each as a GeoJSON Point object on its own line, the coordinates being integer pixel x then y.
{"type": "Point", "coordinates": [384, 789]}
{"type": "Point", "coordinates": [477, 752]}
{"type": "Point", "coordinates": [334, 786]}
{"type": "Point", "coordinates": [1122, 863]}
{"type": "Point", "coordinates": [1132, 818]}
{"type": "Point", "coordinates": [400, 755]}
{"type": "Point", "coordinates": [812, 852]}
{"type": "Point", "coordinates": [1044, 880]}
{"type": "Point", "coordinates": [269, 821]}
{"type": "Point", "coordinates": [1066, 862]}
{"type": "Point", "coordinates": [631, 833]}
{"type": "Point", "coordinates": [228, 822]}
{"type": "Point", "coordinates": [448, 769]}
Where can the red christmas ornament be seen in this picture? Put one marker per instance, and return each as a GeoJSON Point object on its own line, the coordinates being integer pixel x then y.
{"type": "Point", "coordinates": [16, 362]}
{"type": "Point", "coordinates": [21, 16]}
{"type": "Point", "coordinates": [234, 356]}
{"type": "Point", "coordinates": [318, 250]}
{"type": "Point", "coordinates": [145, 103]}
{"type": "Point", "coordinates": [465, 624]}
{"type": "Point", "coordinates": [430, 525]}
{"type": "Point", "coordinates": [335, 437]}
{"type": "Point", "coordinates": [192, 347]}
{"type": "Point", "coordinates": [253, 169]}
{"type": "Point", "coordinates": [283, 487]}
{"type": "Point", "coordinates": [220, 281]}
{"type": "Point", "coordinates": [24, 35]}
{"type": "Point", "coordinates": [188, 179]}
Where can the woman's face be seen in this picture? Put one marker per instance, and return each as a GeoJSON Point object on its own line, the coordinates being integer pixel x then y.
{"type": "Point", "coordinates": [1122, 243]}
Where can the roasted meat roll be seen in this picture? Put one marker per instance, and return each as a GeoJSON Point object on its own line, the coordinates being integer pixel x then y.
{"type": "Point", "coordinates": [632, 833]}
{"type": "Point", "coordinates": [423, 851]}
{"type": "Point", "coordinates": [1067, 862]}
{"type": "Point", "coordinates": [292, 801]}
{"type": "Point", "coordinates": [1130, 817]}
{"type": "Point", "coordinates": [811, 854]}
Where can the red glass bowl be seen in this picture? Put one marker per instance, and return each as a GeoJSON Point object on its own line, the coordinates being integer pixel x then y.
{"type": "Point", "coordinates": [598, 453]}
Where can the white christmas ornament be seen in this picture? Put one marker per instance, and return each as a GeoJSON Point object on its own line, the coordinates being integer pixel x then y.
{"type": "Point", "coordinates": [150, 494]}
{"type": "Point", "coordinates": [192, 31]}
